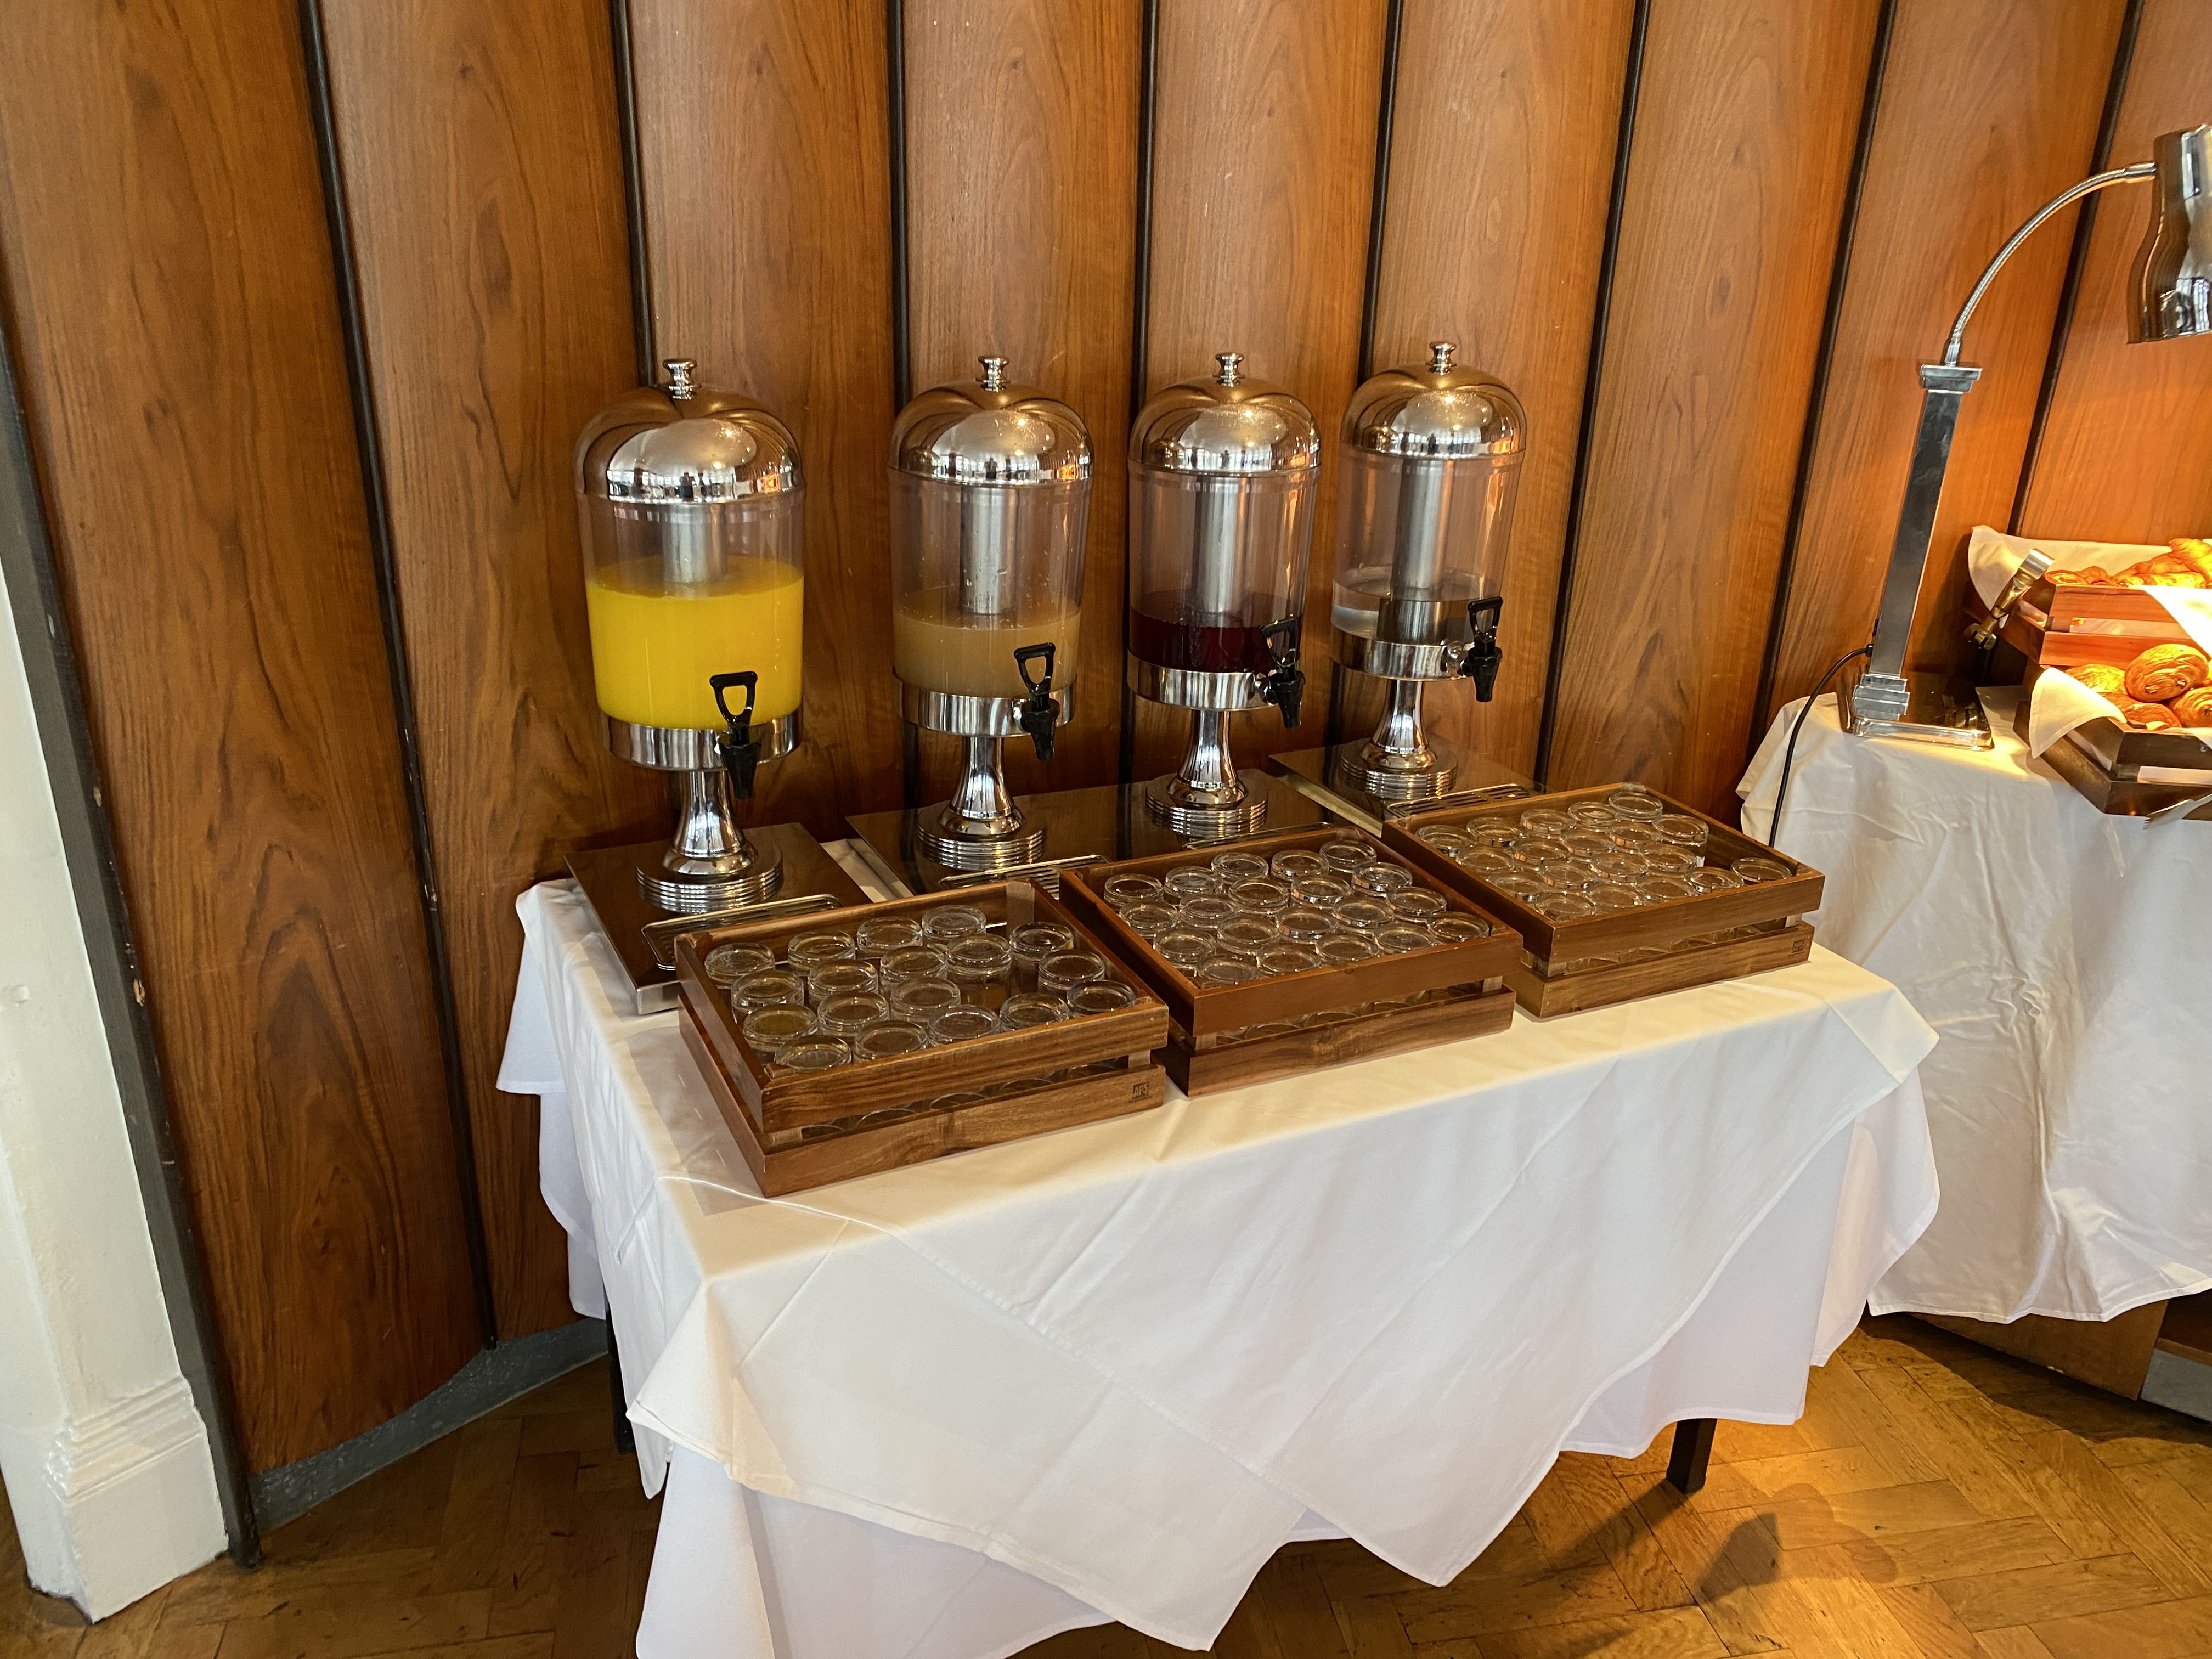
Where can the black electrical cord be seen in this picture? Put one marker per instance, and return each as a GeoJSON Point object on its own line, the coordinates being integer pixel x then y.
{"type": "Point", "coordinates": [1790, 749]}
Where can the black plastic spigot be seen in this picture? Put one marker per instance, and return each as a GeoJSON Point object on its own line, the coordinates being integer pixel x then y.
{"type": "Point", "coordinates": [1284, 685]}
{"type": "Point", "coordinates": [1483, 656]}
{"type": "Point", "coordinates": [738, 748]}
{"type": "Point", "coordinates": [1040, 714]}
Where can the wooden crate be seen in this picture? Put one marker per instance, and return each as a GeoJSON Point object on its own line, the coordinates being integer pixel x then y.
{"type": "Point", "coordinates": [1460, 987]}
{"type": "Point", "coordinates": [1631, 953]}
{"type": "Point", "coordinates": [792, 1128]}
{"type": "Point", "coordinates": [2103, 760]}
{"type": "Point", "coordinates": [2065, 627]}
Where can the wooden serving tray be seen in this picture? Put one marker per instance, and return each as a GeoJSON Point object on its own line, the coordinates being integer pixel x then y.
{"type": "Point", "coordinates": [1654, 935]}
{"type": "Point", "coordinates": [2050, 626]}
{"type": "Point", "coordinates": [1030, 1076]}
{"type": "Point", "coordinates": [2103, 761]}
{"type": "Point", "coordinates": [1462, 986]}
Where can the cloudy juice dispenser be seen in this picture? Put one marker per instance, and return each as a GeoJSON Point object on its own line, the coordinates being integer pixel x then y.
{"type": "Point", "coordinates": [990, 484]}
{"type": "Point", "coordinates": [688, 503]}
{"type": "Point", "coordinates": [1222, 473]}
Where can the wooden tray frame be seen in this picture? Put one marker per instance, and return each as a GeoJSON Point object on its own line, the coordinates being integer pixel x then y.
{"type": "Point", "coordinates": [1661, 927]}
{"type": "Point", "coordinates": [1472, 975]}
{"type": "Point", "coordinates": [2046, 627]}
{"type": "Point", "coordinates": [775, 1106]}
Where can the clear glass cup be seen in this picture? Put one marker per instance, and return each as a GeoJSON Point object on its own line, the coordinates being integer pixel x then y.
{"type": "Point", "coordinates": [1033, 942]}
{"type": "Point", "coordinates": [1680, 829]}
{"type": "Point", "coordinates": [1103, 997]}
{"type": "Point", "coordinates": [1344, 855]}
{"type": "Point", "coordinates": [1233, 867]}
{"type": "Point", "coordinates": [769, 987]}
{"type": "Point", "coordinates": [1061, 972]}
{"type": "Point", "coordinates": [1363, 915]}
{"type": "Point", "coordinates": [1547, 821]}
{"type": "Point", "coordinates": [1417, 905]}
{"type": "Point", "coordinates": [814, 1054]}
{"type": "Point", "coordinates": [1229, 970]}
{"type": "Point", "coordinates": [924, 999]}
{"type": "Point", "coordinates": [1305, 924]}
{"type": "Point", "coordinates": [1383, 879]}
{"type": "Point", "coordinates": [1207, 910]}
{"type": "Point", "coordinates": [1663, 890]}
{"type": "Point", "coordinates": [830, 1130]}
{"type": "Point", "coordinates": [1459, 929]}
{"type": "Point", "coordinates": [1711, 878]}
{"type": "Point", "coordinates": [1190, 880]}
{"type": "Point", "coordinates": [1122, 891]}
{"type": "Point", "coordinates": [1569, 875]}
{"type": "Point", "coordinates": [1493, 832]}
{"type": "Point", "coordinates": [1287, 959]}
{"type": "Point", "coordinates": [1636, 802]}
{"type": "Point", "coordinates": [884, 1115]}
{"type": "Point", "coordinates": [1183, 949]}
{"type": "Point", "coordinates": [849, 1015]}
{"type": "Point", "coordinates": [1488, 863]}
{"type": "Point", "coordinates": [836, 979]}
{"type": "Point", "coordinates": [1596, 814]}
{"type": "Point", "coordinates": [983, 967]}
{"type": "Point", "coordinates": [1262, 894]}
{"type": "Point", "coordinates": [768, 1030]}
{"type": "Point", "coordinates": [1149, 920]}
{"type": "Point", "coordinates": [945, 923]}
{"type": "Point", "coordinates": [1670, 862]}
{"type": "Point", "coordinates": [1341, 950]}
{"type": "Point", "coordinates": [1030, 1010]}
{"type": "Point", "coordinates": [1588, 844]}
{"type": "Point", "coordinates": [1626, 869]}
{"type": "Point", "coordinates": [1289, 866]}
{"type": "Point", "coordinates": [1567, 907]}
{"type": "Point", "coordinates": [1248, 933]}
{"type": "Point", "coordinates": [1611, 895]}
{"type": "Point", "coordinates": [726, 964]}
{"type": "Point", "coordinates": [886, 936]}
{"type": "Point", "coordinates": [1322, 891]}
{"type": "Point", "coordinates": [807, 951]}
{"type": "Point", "coordinates": [1531, 893]}
{"type": "Point", "coordinates": [959, 1024]}
{"type": "Point", "coordinates": [1755, 869]}
{"type": "Point", "coordinates": [1444, 836]}
{"type": "Point", "coordinates": [1401, 937]}
{"type": "Point", "coordinates": [1541, 849]}
{"type": "Point", "coordinates": [1637, 837]}
{"type": "Point", "coordinates": [918, 962]}
{"type": "Point", "coordinates": [887, 1038]}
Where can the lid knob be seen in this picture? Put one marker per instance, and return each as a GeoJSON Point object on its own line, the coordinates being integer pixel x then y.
{"type": "Point", "coordinates": [679, 377]}
{"type": "Point", "coordinates": [1232, 366]}
{"type": "Point", "coordinates": [995, 374]}
{"type": "Point", "coordinates": [1440, 356]}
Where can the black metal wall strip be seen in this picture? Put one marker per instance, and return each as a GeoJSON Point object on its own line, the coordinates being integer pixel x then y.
{"type": "Point", "coordinates": [2077, 261]}
{"type": "Point", "coordinates": [1808, 443]}
{"type": "Point", "coordinates": [370, 444]}
{"type": "Point", "coordinates": [633, 160]}
{"type": "Point", "coordinates": [57, 704]}
{"type": "Point", "coordinates": [1632, 87]}
{"type": "Point", "coordinates": [902, 298]}
{"type": "Point", "coordinates": [1386, 116]}
{"type": "Point", "coordinates": [1148, 84]}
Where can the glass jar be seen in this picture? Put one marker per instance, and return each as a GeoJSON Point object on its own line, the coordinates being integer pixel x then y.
{"type": "Point", "coordinates": [916, 962]}
{"type": "Point", "coordinates": [815, 1053]}
{"type": "Point", "coordinates": [1419, 904]}
{"type": "Point", "coordinates": [770, 986]}
{"type": "Point", "coordinates": [1345, 855]}
{"type": "Point", "coordinates": [1061, 972]}
{"type": "Point", "coordinates": [1122, 891]}
{"type": "Point", "coordinates": [1027, 1012]}
{"type": "Point", "coordinates": [837, 979]}
{"type": "Point", "coordinates": [1459, 929]}
{"type": "Point", "coordinates": [885, 936]}
{"type": "Point", "coordinates": [1104, 997]}
{"type": "Point", "coordinates": [726, 964]}
{"type": "Point", "coordinates": [959, 1024]}
{"type": "Point", "coordinates": [1032, 943]}
{"type": "Point", "coordinates": [887, 1039]}
{"type": "Point", "coordinates": [943, 923]}
{"type": "Point", "coordinates": [849, 1015]}
{"type": "Point", "coordinates": [808, 951]}
{"type": "Point", "coordinates": [768, 1030]}
{"type": "Point", "coordinates": [924, 999]}
{"type": "Point", "coordinates": [1756, 869]}
{"type": "Point", "coordinates": [983, 967]}
{"type": "Point", "coordinates": [1233, 867]}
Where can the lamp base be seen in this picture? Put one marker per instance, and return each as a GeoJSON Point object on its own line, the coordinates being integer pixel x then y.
{"type": "Point", "coordinates": [1920, 707]}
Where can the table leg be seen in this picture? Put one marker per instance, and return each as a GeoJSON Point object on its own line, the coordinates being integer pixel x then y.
{"type": "Point", "coordinates": [1693, 1449]}
{"type": "Point", "coordinates": [625, 1439]}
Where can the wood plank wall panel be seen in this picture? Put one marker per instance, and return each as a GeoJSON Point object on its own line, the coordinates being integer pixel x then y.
{"type": "Point", "coordinates": [1021, 205]}
{"type": "Point", "coordinates": [2127, 454]}
{"type": "Point", "coordinates": [1500, 171]}
{"type": "Point", "coordinates": [1743, 148]}
{"type": "Point", "coordinates": [171, 300]}
{"type": "Point", "coordinates": [765, 153]}
{"type": "Point", "coordinates": [1263, 176]}
{"type": "Point", "coordinates": [1958, 161]}
{"type": "Point", "coordinates": [483, 179]}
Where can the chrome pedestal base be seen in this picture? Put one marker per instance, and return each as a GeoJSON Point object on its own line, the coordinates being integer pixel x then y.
{"type": "Point", "coordinates": [1370, 770]}
{"type": "Point", "coordinates": [956, 844]}
{"type": "Point", "coordinates": [709, 865]}
{"type": "Point", "coordinates": [686, 895]}
{"type": "Point", "coordinates": [1918, 707]}
{"type": "Point", "coordinates": [1204, 815]}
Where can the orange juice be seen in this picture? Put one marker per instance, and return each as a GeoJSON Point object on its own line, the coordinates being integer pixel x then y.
{"type": "Point", "coordinates": [653, 651]}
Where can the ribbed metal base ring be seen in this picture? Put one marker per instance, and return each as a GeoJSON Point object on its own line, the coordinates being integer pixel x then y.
{"type": "Point", "coordinates": [688, 897]}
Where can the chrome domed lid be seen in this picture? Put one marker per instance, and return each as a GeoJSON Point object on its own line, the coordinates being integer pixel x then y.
{"type": "Point", "coordinates": [683, 442]}
{"type": "Point", "coordinates": [990, 431]}
{"type": "Point", "coordinates": [1440, 411]}
{"type": "Point", "coordinates": [1226, 425]}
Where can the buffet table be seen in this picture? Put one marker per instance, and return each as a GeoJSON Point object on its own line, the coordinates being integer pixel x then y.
{"type": "Point", "coordinates": [2060, 953]}
{"type": "Point", "coordinates": [1105, 1373]}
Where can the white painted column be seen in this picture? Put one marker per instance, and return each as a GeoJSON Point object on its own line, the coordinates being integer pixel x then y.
{"type": "Point", "coordinates": [105, 1455]}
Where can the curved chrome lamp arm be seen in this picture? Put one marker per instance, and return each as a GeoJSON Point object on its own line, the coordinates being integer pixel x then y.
{"type": "Point", "coordinates": [2088, 187]}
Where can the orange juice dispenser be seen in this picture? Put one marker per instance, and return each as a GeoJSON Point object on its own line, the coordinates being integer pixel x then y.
{"type": "Point", "coordinates": [990, 482]}
{"type": "Point", "coordinates": [690, 504]}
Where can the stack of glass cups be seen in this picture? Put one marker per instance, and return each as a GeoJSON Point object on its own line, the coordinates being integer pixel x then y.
{"type": "Point", "coordinates": [1222, 474]}
{"type": "Point", "coordinates": [990, 482]}
{"type": "Point", "coordinates": [1430, 457]}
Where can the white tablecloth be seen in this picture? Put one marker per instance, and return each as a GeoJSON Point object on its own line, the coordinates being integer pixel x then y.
{"type": "Point", "coordinates": [2066, 958]}
{"type": "Point", "coordinates": [1105, 1373]}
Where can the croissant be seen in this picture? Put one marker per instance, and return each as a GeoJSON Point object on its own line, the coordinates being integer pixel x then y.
{"type": "Point", "coordinates": [2194, 708]}
{"type": "Point", "coordinates": [2089, 575]}
{"type": "Point", "coordinates": [2103, 678]}
{"type": "Point", "coordinates": [2150, 716]}
{"type": "Point", "coordinates": [2195, 553]}
{"type": "Point", "coordinates": [2165, 671]}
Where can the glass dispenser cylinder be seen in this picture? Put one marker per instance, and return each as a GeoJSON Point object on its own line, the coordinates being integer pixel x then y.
{"type": "Point", "coordinates": [689, 503]}
{"type": "Point", "coordinates": [1221, 482]}
{"type": "Point", "coordinates": [1430, 458]}
{"type": "Point", "coordinates": [990, 484]}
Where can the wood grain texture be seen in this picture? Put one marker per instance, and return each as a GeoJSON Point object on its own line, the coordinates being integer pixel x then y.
{"type": "Point", "coordinates": [1500, 169]}
{"type": "Point", "coordinates": [1743, 147]}
{"type": "Point", "coordinates": [2127, 454]}
{"type": "Point", "coordinates": [1958, 161]}
{"type": "Point", "coordinates": [1021, 204]}
{"type": "Point", "coordinates": [765, 153]}
{"type": "Point", "coordinates": [1263, 175]}
{"type": "Point", "coordinates": [484, 186]}
{"type": "Point", "coordinates": [187, 394]}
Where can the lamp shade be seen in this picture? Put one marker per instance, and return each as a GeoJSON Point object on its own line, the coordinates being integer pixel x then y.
{"type": "Point", "coordinates": [2173, 267]}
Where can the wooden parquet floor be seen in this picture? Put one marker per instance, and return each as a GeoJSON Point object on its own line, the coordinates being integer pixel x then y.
{"type": "Point", "coordinates": [1935, 1501]}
